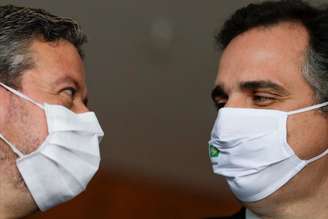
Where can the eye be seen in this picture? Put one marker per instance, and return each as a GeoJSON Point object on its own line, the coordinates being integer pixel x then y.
{"type": "Point", "coordinates": [70, 91]}
{"type": "Point", "coordinates": [219, 104]}
{"type": "Point", "coordinates": [263, 100]}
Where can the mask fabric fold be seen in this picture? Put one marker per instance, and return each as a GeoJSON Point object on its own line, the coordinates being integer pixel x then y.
{"type": "Point", "coordinates": [249, 148]}
{"type": "Point", "coordinates": [62, 166]}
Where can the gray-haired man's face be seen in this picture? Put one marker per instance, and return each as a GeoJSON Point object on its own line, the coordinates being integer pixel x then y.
{"type": "Point", "coordinates": [58, 77]}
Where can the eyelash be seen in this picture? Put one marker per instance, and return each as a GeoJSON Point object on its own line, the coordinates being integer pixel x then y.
{"type": "Point", "coordinates": [259, 97]}
{"type": "Point", "coordinates": [263, 99]}
{"type": "Point", "coordinates": [218, 106]}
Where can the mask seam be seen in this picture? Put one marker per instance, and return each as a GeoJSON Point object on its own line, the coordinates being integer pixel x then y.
{"type": "Point", "coordinates": [277, 185]}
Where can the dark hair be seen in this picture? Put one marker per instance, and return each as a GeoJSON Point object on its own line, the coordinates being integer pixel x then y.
{"type": "Point", "coordinates": [270, 13]}
{"type": "Point", "coordinates": [19, 26]}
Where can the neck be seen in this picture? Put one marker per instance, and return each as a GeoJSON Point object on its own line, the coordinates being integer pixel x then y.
{"type": "Point", "coordinates": [15, 200]}
{"type": "Point", "coordinates": [4, 214]}
{"type": "Point", "coordinates": [305, 196]}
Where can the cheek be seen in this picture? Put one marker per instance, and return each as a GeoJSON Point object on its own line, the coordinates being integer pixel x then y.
{"type": "Point", "coordinates": [307, 134]}
{"type": "Point", "coordinates": [29, 126]}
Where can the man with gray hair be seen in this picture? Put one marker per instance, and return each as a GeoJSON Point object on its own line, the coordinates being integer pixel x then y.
{"type": "Point", "coordinates": [270, 139]}
{"type": "Point", "coordinates": [49, 147]}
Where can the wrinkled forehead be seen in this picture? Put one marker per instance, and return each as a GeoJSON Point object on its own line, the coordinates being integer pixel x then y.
{"type": "Point", "coordinates": [57, 62]}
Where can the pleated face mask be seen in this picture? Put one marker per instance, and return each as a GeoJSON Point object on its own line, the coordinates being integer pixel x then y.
{"type": "Point", "coordinates": [62, 166]}
{"type": "Point", "coordinates": [249, 147]}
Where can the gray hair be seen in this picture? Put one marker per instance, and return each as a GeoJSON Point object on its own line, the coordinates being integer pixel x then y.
{"type": "Point", "coordinates": [316, 74]}
{"type": "Point", "coordinates": [19, 27]}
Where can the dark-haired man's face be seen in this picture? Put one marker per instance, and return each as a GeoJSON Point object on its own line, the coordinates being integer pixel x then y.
{"type": "Point", "coordinates": [262, 68]}
{"type": "Point", "coordinates": [58, 77]}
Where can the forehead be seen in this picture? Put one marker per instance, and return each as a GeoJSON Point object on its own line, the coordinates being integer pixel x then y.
{"type": "Point", "coordinates": [55, 60]}
{"type": "Point", "coordinates": [273, 53]}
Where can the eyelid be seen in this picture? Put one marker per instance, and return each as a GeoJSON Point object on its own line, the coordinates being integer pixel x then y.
{"type": "Point", "coordinates": [220, 99]}
{"type": "Point", "coordinates": [261, 100]}
{"type": "Point", "coordinates": [267, 93]}
{"type": "Point", "coordinates": [264, 97]}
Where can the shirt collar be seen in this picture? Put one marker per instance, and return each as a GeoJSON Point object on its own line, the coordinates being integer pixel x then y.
{"type": "Point", "coordinates": [251, 215]}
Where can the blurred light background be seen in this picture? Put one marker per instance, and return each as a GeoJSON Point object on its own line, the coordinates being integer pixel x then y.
{"type": "Point", "coordinates": [151, 67]}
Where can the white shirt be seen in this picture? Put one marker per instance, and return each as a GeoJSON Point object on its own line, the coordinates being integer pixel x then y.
{"type": "Point", "coordinates": [251, 215]}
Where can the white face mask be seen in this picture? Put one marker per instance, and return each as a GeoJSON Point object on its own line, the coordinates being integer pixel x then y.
{"type": "Point", "coordinates": [249, 147]}
{"type": "Point", "coordinates": [62, 166]}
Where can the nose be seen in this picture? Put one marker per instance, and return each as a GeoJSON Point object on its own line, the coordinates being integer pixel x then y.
{"type": "Point", "coordinates": [84, 109]}
{"type": "Point", "coordinates": [237, 101]}
{"type": "Point", "coordinates": [80, 107]}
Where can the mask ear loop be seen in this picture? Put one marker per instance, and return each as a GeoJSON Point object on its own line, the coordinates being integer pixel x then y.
{"type": "Point", "coordinates": [22, 95]}
{"type": "Point", "coordinates": [13, 147]}
{"type": "Point", "coordinates": [308, 108]}
{"type": "Point", "coordinates": [318, 157]}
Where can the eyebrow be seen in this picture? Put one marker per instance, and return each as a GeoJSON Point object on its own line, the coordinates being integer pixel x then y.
{"type": "Point", "coordinates": [256, 85]}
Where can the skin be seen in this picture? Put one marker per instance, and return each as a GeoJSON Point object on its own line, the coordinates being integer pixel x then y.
{"type": "Point", "coordinates": [58, 77]}
{"type": "Point", "coordinates": [276, 54]}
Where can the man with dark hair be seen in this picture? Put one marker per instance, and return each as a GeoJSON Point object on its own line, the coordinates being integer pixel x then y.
{"type": "Point", "coordinates": [49, 147]}
{"type": "Point", "coordinates": [270, 139]}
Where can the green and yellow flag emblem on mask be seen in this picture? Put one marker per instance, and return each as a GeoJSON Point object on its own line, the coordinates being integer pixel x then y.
{"type": "Point", "coordinates": [214, 152]}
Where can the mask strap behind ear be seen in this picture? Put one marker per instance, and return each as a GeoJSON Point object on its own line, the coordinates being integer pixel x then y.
{"type": "Point", "coordinates": [22, 95]}
{"type": "Point", "coordinates": [308, 108]}
{"type": "Point", "coordinates": [318, 157]}
{"type": "Point", "coordinates": [13, 147]}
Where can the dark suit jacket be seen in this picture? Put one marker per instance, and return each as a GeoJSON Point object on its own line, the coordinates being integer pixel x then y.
{"type": "Point", "coordinates": [240, 215]}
